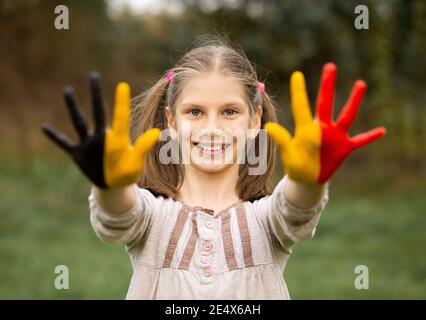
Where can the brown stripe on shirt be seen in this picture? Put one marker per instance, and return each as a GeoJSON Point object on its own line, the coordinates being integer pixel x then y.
{"type": "Point", "coordinates": [174, 238]}
{"type": "Point", "coordinates": [244, 235]}
{"type": "Point", "coordinates": [190, 246]}
{"type": "Point", "coordinates": [228, 244]}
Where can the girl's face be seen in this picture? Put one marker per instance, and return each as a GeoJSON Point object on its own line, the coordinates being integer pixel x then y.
{"type": "Point", "coordinates": [211, 121]}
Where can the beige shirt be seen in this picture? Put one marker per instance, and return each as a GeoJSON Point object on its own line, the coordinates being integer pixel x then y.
{"type": "Point", "coordinates": [182, 252]}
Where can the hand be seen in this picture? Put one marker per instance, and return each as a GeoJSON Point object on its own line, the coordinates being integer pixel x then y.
{"type": "Point", "coordinates": [106, 156]}
{"type": "Point", "coordinates": [320, 145]}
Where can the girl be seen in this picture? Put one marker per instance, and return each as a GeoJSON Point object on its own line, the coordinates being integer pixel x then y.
{"type": "Point", "coordinates": [208, 228]}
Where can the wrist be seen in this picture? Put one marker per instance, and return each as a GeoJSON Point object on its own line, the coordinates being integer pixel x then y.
{"type": "Point", "coordinates": [304, 194]}
{"type": "Point", "coordinates": [115, 200]}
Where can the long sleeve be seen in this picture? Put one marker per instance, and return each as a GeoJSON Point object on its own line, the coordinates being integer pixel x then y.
{"type": "Point", "coordinates": [126, 228]}
{"type": "Point", "coordinates": [288, 223]}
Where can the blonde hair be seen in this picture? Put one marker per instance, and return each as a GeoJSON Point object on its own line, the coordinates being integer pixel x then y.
{"type": "Point", "coordinates": [210, 54]}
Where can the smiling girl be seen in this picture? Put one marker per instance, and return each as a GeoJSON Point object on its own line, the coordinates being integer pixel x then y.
{"type": "Point", "coordinates": [208, 228]}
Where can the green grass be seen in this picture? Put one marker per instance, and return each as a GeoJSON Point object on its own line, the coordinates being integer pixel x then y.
{"type": "Point", "coordinates": [381, 227]}
{"type": "Point", "coordinates": [44, 222]}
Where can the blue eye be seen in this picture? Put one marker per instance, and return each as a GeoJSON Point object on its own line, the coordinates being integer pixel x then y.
{"type": "Point", "coordinates": [230, 112]}
{"type": "Point", "coordinates": [195, 112]}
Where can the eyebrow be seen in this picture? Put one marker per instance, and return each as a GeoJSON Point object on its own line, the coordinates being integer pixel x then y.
{"type": "Point", "coordinates": [188, 104]}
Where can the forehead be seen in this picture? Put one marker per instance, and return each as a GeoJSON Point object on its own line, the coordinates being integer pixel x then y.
{"type": "Point", "coordinates": [212, 89]}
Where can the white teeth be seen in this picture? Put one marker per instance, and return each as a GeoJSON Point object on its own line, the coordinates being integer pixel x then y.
{"type": "Point", "coordinates": [211, 148]}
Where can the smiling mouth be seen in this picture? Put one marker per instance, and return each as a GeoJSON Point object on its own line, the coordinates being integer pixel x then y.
{"type": "Point", "coordinates": [211, 149]}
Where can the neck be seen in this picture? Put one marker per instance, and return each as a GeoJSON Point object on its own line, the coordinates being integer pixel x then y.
{"type": "Point", "coordinates": [214, 191]}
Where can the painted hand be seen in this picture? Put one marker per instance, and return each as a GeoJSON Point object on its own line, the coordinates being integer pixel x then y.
{"type": "Point", "coordinates": [319, 145]}
{"type": "Point", "coordinates": [106, 156]}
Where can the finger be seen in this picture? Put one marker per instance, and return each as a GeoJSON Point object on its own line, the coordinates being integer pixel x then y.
{"type": "Point", "coordinates": [350, 109]}
{"type": "Point", "coordinates": [279, 134]}
{"type": "Point", "coordinates": [77, 116]}
{"type": "Point", "coordinates": [120, 122]}
{"type": "Point", "coordinates": [326, 93]}
{"type": "Point", "coordinates": [299, 100]}
{"type": "Point", "coordinates": [59, 138]}
{"type": "Point", "coordinates": [147, 141]}
{"type": "Point", "coordinates": [365, 138]}
{"type": "Point", "coordinates": [98, 109]}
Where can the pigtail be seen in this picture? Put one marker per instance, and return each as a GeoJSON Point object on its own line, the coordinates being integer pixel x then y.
{"type": "Point", "coordinates": [149, 112]}
{"type": "Point", "coordinates": [249, 186]}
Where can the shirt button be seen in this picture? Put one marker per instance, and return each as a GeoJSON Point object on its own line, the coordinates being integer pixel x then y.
{"type": "Point", "coordinates": [208, 246]}
{"type": "Point", "coordinates": [207, 272]}
{"type": "Point", "coordinates": [204, 260]}
{"type": "Point", "coordinates": [209, 224]}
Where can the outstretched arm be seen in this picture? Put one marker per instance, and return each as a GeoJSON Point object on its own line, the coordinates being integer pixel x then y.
{"type": "Point", "coordinates": [120, 212]}
{"type": "Point", "coordinates": [106, 155]}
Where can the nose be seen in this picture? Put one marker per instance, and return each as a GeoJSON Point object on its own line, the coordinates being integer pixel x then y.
{"type": "Point", "coordinates": [212, 123]}
{"type": "Point", "coordinates": [215, 129]}
{"type": "Point", "coordinates": [211, 129]}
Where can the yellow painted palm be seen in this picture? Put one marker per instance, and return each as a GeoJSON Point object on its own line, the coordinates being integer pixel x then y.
{"type": "Point", "coordinates": [123, 161]}
{"type": "Point", "coordinates": [301, 154]}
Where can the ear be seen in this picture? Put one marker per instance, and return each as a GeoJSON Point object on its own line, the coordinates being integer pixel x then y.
{"type": "Point", "coordinates": [171, 124]}
{"type": "Point", "coordinates": [255, 122]}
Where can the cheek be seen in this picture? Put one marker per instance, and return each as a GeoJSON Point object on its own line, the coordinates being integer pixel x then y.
{"type": "Point", "coordinates": [183, 128]}
{"type": "Point", "coordinates": [240, 127]}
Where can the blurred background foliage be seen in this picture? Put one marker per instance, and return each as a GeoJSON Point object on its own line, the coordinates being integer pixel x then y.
{"type": "Point", "coordinates": [37, 61]}
{"type": "Point", "coordinates": [279, 37]}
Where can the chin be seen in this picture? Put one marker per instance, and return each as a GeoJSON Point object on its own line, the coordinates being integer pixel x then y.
{"type": "Point", "coordinates": [211, 167]}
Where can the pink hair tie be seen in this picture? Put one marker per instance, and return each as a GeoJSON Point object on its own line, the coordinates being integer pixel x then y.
{"type": "Point", "coordinates": [169, 76]}
{"type": "Point", "coordinates": [261, 87]}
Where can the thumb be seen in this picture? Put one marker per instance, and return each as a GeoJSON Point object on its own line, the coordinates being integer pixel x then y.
{"type": "Point", "coordinates": [147, 141]}
{"type": "Point", "coordinates": [279, 134]}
